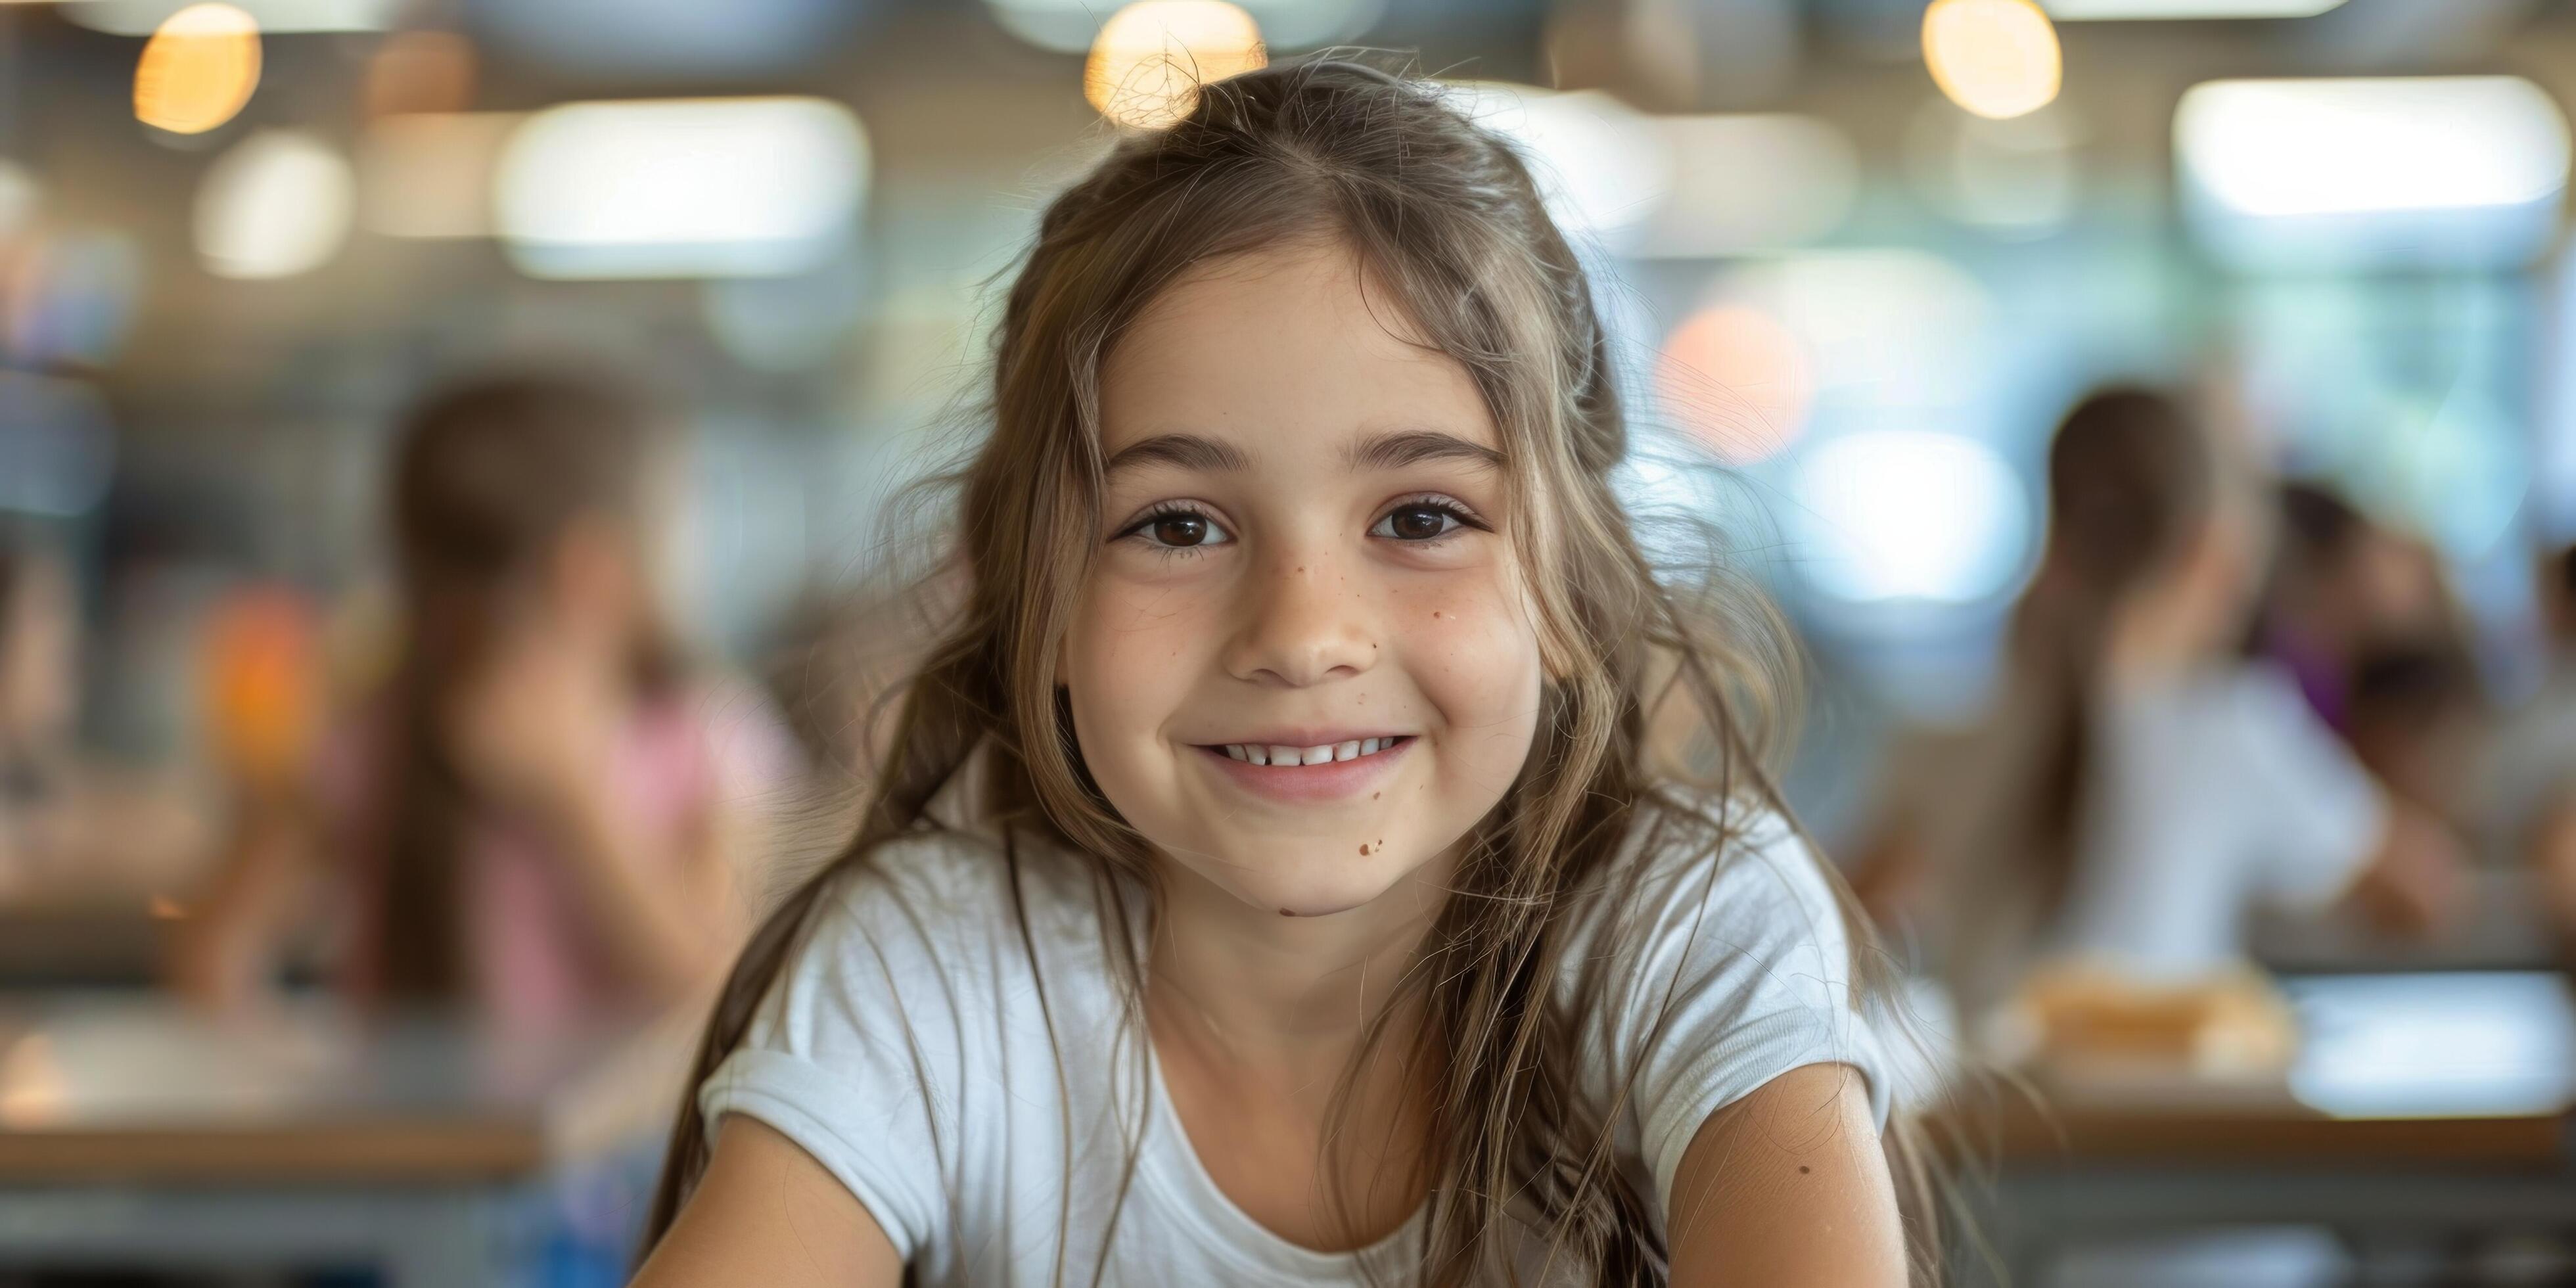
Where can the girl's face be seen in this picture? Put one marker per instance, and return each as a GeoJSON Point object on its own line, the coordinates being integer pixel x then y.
{"type": "Point", "coordinates": [1303, 557]}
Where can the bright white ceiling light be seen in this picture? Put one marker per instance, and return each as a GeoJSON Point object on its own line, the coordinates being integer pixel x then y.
{"type": "Point", "coordinates": [1909, 514]}
{"type": "Point", "coordinates": [142, 17]}
{"type": "Point", "coordinates": [1603, 168]}
{"type": "Point", "coordinates": [753, 187]}
{"type": "Point", "coordinates": [2143, 10]}
{"type": "Point", "coordinates": [2275, 148]}
{"type": "Point", "coordinates": [276, 205]}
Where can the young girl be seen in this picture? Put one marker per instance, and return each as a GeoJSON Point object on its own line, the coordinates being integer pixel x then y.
{"type": "Point", "coordinates": [540, 816]}
{"type": "Point", "coordinates": [2139, 791]}
{"type": "Point", "coordinates": [1266, 884]}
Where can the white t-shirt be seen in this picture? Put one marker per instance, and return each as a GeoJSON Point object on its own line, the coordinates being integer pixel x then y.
{"type": "Point", "coordinates": [976, 1087]}
{"type": "Point", "coordinates": [2210, 797]}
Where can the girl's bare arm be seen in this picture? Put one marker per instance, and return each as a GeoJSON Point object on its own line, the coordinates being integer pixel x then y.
{"type": "Point", "coordinates": [1787, 1188]}
{"type": "Point", "coordinates": [766, 1213]}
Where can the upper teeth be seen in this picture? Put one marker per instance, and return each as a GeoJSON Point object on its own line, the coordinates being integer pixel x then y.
{"type": "Point", "coordinates": [1260, 754]}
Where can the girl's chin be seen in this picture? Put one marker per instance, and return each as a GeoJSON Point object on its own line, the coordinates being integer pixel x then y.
{"type": "Point", "coordinates": [1281, 890]}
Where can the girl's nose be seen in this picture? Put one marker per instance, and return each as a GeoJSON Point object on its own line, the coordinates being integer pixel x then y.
{"type": "Point", "coordinates": [1303, 623]}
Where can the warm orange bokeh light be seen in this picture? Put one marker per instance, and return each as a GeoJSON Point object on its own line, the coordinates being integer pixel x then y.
{"type": "Point", "coordinates": [1996, 58]}
{"type": "Point", "coordinates": [1738, 379]}
{"type": "Point", "coordinates": [263, 683]}
{"type": "Point", "coordinates": [198, 70]}
{"type": "Point", "coordinates": [1150, 58]}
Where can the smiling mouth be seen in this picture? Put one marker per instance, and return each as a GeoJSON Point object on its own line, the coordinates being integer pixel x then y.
{"type": "Point", "coordinates": [1328, 753]}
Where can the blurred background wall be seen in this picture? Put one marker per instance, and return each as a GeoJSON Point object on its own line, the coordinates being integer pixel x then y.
{"type": "Point", "coordinates": [1836, 268]}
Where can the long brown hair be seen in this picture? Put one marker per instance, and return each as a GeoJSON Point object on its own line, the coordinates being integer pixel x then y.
{"type": "Point", "coordinates": [2131, 480]}
{"type": "Point", "coordinates": [1446, 219]}
{"type": "Point", "coordinates": [488, 476]}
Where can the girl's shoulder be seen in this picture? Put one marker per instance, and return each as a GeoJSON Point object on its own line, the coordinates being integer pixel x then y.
{"type": "Point", "coordinates": [1675, 832]}
{"type": "Point", "coordinates": [1710, 958]}
{"type": "Point", "coordinates": [1698, 866]}
{"type": "Point", "coordinates": [952, 904]}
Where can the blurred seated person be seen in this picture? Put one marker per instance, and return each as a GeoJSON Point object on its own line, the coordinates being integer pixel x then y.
{"type": "Point", "coordinates": [2416, 715]}
{"type": "Point", "coordinates": [2344, 591]}
{"type": "Point", "coordinates": [2137, 789]}
{"type": "Point", "coordinates": [547, 815]}
{"type": "Point", "coordinates": [73, 828]}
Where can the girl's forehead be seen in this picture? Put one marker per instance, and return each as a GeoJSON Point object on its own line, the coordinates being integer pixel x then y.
{"type": "Point", "coordinates": [1298, 346]}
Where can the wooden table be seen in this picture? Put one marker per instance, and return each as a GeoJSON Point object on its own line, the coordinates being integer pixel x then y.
{"type": "Point", "coordinates": [134, 1133]}
{"type": "Point", "coordinates": [2423, 1108]}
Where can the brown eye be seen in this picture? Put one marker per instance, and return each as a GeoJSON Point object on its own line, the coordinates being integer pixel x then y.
{"type": "Point", "coordinates": [1178, 529]}
{"type": "Point", "coordinates": [1418, 523]}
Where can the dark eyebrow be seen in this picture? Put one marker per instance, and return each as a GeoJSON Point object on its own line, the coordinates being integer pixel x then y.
{"type": "Point", "coordinates": [1415, 446]}
{"type": "Point", "coordinates": [1187, 451]}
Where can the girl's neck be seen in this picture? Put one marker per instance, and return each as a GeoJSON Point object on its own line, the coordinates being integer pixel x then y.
{"type": "Point", "coordinates": [1263, 991]}
{"type": "Point", "coordinates": [2152, 640]}
{"type": "Point", "coordinates": [1256, 1021]}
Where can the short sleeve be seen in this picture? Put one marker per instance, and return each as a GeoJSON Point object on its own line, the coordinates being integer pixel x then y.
{"type": "Point", "coordinates": [2317, 814]}
{"type": "Point", "coordinates": [1729, 972]}
{"type": "Point", "coordinates": [859, 1052]}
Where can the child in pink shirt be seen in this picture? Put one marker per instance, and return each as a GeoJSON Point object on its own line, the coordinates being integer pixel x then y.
{"type": "Point", "coordinates": [541, 816]}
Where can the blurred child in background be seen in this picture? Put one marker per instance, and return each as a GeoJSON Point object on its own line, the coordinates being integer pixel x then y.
{"type": "Point", "coordinates": [545, 814]}
{"type": "Point", "coordinates": [2347, 593]}
{"type": "Point", "coordinates": [2138, 790]}
{"type": "Point", "coordinates": [2417, 716]}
